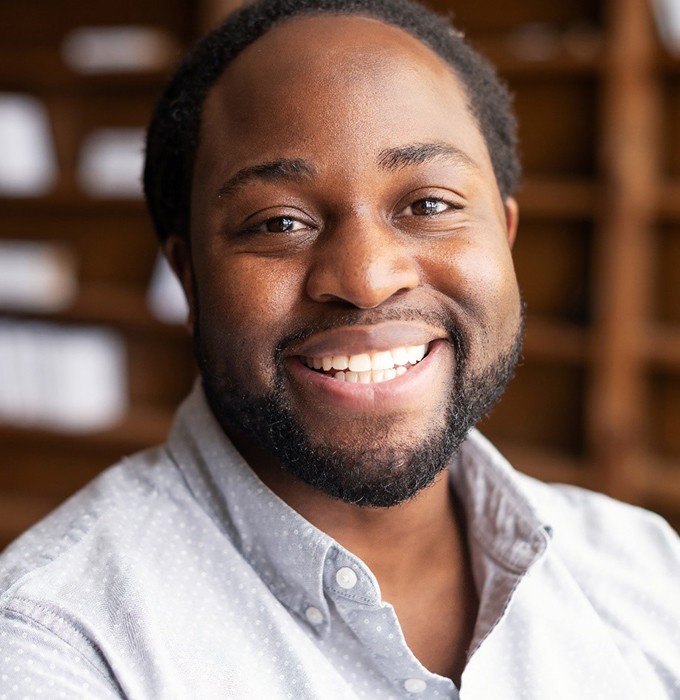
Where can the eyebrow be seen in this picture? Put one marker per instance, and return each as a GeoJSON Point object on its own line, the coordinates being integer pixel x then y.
{"type": "Point", "coordinates": [276, 170]}
{"type": "Point", "coordinates": [418, 153]}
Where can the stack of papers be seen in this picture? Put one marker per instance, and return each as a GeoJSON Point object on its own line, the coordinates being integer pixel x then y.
{"type": "Point", "coordinates": [110, 163]}
{"type": "Point", "coordinates": [165, 297]}
{"type": "Point", "coordinates": [36, 277]}
{"type": "Point", "coordinates": [71, 379]}
{"type": "Point", "coordinates": [668, 22]}
{"type": "Point", "coordinates": [27, 164]}
{"type": "Point", "coordinates": [123, 49]}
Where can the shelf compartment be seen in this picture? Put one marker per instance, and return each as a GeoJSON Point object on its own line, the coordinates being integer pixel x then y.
{"type": "Point", "coordinates": [548, 465]}
{"type": "Point", "coordinates": [670, 94]}
{"type": "Point", "coordinates": [563, 198]}
{"type": "Point", "coordinates": [662, 347]}
{"type": "Point", "coordinates": [557, 118]}
{"type": "Point", "coordinates": [550, 420]}
{"type": "Point", "coordinates": [552, 260]}
{"type": "Point", "coordinates": [485, 17]}
{"type": "Point", "coordinates": [666, 264]}
{"type": "Point", "coordinates": [548, 340]}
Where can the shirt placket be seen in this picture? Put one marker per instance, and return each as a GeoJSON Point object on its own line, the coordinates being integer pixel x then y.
{"type": "Point", "coordinates": [356, 596]}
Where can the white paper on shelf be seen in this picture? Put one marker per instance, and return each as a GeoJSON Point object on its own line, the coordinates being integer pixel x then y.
{"type": "Point", "coordinates": [667, 13]}
{"type": "Point", "coordinates": [110, 163]}
{"type": "Point", "coordinates": [36, 276]}
{"type": "Point", "coordinates": [71, 379]}
{"type": "Point", "coordinates": [165, 296]}
{"type": "Point", "coordinates": [118, 49]}
{"type": "Point", "coordinates": [27, 161]}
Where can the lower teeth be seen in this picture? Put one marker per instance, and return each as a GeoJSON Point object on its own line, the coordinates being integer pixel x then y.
{"type": "Point", "coordinates": [370, 377]}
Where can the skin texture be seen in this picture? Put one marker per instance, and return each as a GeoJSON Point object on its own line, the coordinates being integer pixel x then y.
{"type": "Point", "coordinates": [381, 225]}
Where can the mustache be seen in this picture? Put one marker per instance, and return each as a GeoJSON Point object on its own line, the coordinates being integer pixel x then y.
{"type": "Point", "coordinates": [368, 317]}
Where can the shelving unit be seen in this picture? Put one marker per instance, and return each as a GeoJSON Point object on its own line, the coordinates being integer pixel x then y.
{"type": "Point", "coordinates": [596, 401]}
{"type": "Point", "coordinates": [111, 239]}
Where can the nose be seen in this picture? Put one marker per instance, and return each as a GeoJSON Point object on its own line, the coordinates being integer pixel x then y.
{"type": "Point", "coordinates": [362, 263]}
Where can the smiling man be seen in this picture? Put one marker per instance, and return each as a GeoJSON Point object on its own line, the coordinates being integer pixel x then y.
{"type": "Point", "coordinates": [332, 182]}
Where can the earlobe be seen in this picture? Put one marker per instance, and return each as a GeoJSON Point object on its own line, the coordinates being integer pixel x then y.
{"type": "Point", "coordinates": [511, 219]}
{"type": "Point", "coordinates": [177, 251]}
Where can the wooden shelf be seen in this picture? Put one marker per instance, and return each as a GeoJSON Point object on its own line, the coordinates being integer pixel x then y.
{"type": "Point", "coordinates": [668, 203]}
{"type": "Point", "coordinates": [662, 347]}
{"type": "Point", "coordinates": [41, 69]}
{"type": "Point", "coordinates": [668, 63]}
{"type": "Point", "coordinates": [141, 427]}
{"type": "Point", "coordinates": [117, 306]}
{"type": "Point", "coordinates": [547, 339]}
{"type": "Point", "coordinates": [548, 465]}
{"type": "Point", "coordinates": [71, 202]}
{"type": "Point", "coordinates": [659, 484]}
{"type": "Point", "coordinates": [560, 55]}
{"type": "Point", "coordinates": [558, 198]}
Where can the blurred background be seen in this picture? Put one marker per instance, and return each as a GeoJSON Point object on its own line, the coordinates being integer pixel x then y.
{"type": "Point", "coordinates": [93, 354]}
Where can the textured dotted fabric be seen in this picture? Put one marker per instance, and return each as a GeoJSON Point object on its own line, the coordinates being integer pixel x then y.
{"type": "Point", "coordinates": [179, 575]}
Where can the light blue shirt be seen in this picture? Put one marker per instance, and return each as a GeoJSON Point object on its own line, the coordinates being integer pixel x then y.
{"type": "Point", "coordinates": [179, 575]}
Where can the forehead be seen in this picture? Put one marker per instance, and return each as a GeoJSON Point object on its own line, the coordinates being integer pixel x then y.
{"type": "Point", "coordinates": [340, 85]}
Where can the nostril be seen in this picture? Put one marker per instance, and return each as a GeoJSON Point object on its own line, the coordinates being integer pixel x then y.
{"type": "Point", "coordinates": [361, 281]}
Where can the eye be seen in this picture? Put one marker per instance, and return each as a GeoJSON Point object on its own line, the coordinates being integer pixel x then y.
{"type": "Point", "coordinates": [430, 211]}
{"type": "Point", "coordinates": [277, 224]}
{"type": "Point", "coordinates": [281, 224]}
{"type": "Point", "coordinates": [427, 207]}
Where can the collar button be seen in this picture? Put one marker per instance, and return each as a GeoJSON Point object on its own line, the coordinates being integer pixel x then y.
{"type": "Point", "coordinates": [346, 578]}
{"type": "Point", "coordinates": [415, 685]}
{"type": "Point", "coordinates": [314, 615]}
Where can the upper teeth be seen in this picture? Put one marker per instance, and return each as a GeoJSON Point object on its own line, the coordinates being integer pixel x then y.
{"type": "Point", "coordinates": [367, 362]}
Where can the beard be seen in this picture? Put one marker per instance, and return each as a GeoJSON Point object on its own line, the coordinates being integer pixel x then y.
{"type": "Point", "coordinates": [366, 468]}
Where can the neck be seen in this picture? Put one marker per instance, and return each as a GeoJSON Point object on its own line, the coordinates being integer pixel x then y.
{"type": "Point", "coordinates": [417, 551]}
{"type": "Point", "coordinates": [391, 541]}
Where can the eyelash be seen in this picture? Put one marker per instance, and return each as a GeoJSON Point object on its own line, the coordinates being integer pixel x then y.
{"type": "Point", "coordinates": [262, 226]}
{"type": "Point", "coordinates": [436, 200]}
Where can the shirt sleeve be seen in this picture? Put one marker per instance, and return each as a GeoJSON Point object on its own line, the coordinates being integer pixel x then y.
{"type": "Point", "coordinates": [35, 663]}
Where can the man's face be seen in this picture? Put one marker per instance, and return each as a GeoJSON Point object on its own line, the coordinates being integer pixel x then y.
{"type": "Point", "coordinates": [354, 301]}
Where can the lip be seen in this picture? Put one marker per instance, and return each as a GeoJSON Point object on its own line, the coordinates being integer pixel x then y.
{"type": "Point", "coordinates": [353, 340]}
{"type": "Point", "coordinates": [406, 392]}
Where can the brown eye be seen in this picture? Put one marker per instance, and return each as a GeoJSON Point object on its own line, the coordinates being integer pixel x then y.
{"type": "Point", "coordinates": [286, 223]}
{"type": "Point", "coordinates": [281, 224]}
{"type": "Point", "coordinates": [427, 207]}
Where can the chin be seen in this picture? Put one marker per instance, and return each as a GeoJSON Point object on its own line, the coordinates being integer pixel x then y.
{"type": "Point", "coordinates": [380, 461]}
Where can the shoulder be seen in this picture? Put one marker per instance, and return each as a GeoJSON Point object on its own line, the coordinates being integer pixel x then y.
{"type": "Point", "coordinates": [55, 577]}
{"type": "Point", "coordinates": [592, 529]}
{"type": "Point", "coordinates": [620, 561]}
{"type": "Point", "coordinates": [124, 571]}
{"type": "Point", "coordinates": [589, 529]}
{"type": "Point", "coordinates": [116, 521]}
{"type": "Point", "coordinates": [626, 562]}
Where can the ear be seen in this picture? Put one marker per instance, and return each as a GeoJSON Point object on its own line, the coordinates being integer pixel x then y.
{"type": "Point", "coordinates": [177, 251]}
{"type": "Point", "coordinates": [511, 219]}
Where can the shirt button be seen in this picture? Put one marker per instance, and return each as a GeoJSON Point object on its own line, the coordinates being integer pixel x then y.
{"type": "Point", "coordinates": [414, 685]}
{"type": "Point", "coordinates": [346, 578]}
{"type": "Point", "coordinates": [314, 615]}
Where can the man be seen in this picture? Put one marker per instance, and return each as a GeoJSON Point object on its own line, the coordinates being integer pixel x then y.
{"type": "Point", "coordinates": [332, 181]}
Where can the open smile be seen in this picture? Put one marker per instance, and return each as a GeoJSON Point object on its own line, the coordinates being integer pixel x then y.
{"type": "Point", "coordinates": [388, 366]}
{"type": "Point", "coordinates": [368, 368]}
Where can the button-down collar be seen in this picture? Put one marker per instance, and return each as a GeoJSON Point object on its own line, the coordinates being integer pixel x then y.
{"type": "Point", "coordinates": [299, 562]}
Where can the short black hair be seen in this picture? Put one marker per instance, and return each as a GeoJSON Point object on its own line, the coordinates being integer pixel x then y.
{"type": "Point", "coordinates": [173, 134]}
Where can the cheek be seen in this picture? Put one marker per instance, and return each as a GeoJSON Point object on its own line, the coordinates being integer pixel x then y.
{"type": "Point", "coordinates": [245, 305]}
{"type": "Point", "coordinates": [481, 280]}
